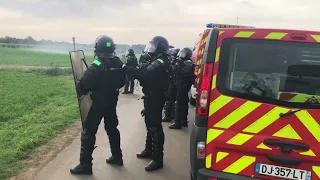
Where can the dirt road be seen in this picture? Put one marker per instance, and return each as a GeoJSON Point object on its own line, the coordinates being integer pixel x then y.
{"type": "Point", "coordinates": [133, 131]}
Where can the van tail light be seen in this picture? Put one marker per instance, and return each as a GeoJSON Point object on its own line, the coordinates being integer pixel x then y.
{"type": "Point", "coordinates": [201, 150]}
{"type": "Point", "coordinates": [205, 89]}
{"type": "Point", "coordinates": [212, 178]}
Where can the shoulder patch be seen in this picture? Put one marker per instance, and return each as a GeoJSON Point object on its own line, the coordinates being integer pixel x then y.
{"type": "Point", "coordinates": [160, 60]}
{"type": "Point", "coordinates": [97, 62]}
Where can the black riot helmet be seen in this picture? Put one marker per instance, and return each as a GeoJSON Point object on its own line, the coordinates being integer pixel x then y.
{"type": "Point", "coordinates": [129, 52]}
{"type": "Point", "coordinates": [157, 45]}
{"type": "Point", "coordinates": [185, 54]}
{"type": "Point", "coordinates": [174, 52]}
{"type": "Point", "coordinates": [104, 47]}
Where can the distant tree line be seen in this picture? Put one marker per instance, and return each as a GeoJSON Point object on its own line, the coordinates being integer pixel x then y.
{"type": "Point", "coordinates": [28, 42]}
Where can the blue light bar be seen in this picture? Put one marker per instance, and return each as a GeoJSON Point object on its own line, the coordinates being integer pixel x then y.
{"type": "Point", "coordinates": [211, 25]}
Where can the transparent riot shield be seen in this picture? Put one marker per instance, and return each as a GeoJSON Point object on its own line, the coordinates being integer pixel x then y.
{"type": "Point", "coordinates": [79, 66]}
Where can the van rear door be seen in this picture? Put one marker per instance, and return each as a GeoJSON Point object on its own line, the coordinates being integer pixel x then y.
{"type": "Point", "coordinates": [247, 132]}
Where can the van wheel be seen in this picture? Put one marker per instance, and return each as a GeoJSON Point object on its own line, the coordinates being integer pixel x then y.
{"type": "Point", "coordinates": [192, 101]}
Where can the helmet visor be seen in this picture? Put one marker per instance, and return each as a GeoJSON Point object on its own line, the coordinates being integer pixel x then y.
{"type": "Point", "coordinates": [151, 47]}
{"type": "Point", "coordinates": [182, 54]}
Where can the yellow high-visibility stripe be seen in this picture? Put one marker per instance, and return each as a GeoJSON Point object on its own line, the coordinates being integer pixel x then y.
{"type": "Point", "coordinates": [240, 164]}
{"type": "Point", "coordinates": [239, 139]}
{"type": "Point", "coordinates": [316, 170]}
{"type": "Point", "coordinates": [237, 114]}
{"type": "Point", "coordinates": [221, 32]}
{"type": "Point", "coordinates": [214, 82]}
{"type": "Point", "coordinates": [310, 123]}
{"type": "Point", "coordinates": [275, 35]}
{"type": "Point", "coordinates": [316, 37]}
{"type": "Point", "coordinates": [201, 51]}
{"type": "Point", "coordinates": [265, 120]}
{"type": "Point", "coordinates": [205, 39]}
{"type": "Point", "coordinates": [200, 62]}
{"type": "Point", "coordinates": [308, 153]}
{"type": "Point", "coordinates": [300, 98]}
{"type": "Point", "coordinates": [287, 132]}
{"type": "Point", "coordinates": [262, 146]}
{"type": "Point", "coordinates": [212, 134]}
{"type": "Point", "coordinates": [221, 155]}
{"type": "Point", "coordinates": [208, 161]}
{"type": "Point", "coordinates": [244, 34]}
{"type": "Point", "coordinates": [217, 54]}
{"type": "Point", "coordinates": [218, 103]}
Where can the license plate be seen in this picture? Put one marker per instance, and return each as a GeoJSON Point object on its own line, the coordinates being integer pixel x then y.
{"type": "Point", "coordinates": [282, 172]}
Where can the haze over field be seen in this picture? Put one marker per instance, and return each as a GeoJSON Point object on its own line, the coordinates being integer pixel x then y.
{"type": "Point", "coordinates": [136, 21]}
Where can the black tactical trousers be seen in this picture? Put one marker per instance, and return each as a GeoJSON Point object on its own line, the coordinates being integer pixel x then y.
{"type": "Point", "coordinates": [129, 80]}
{"type": "Point", "coordinates": [182, 106]}
{"type": "Point", "coordinates": [101, 108]}
{"type": "Point", "coordinates": [169, 104]}
{"type": "Point", "coordinates": [153, 105]}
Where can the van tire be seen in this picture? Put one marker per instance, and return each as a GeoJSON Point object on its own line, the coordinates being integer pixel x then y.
{"type": "Point", "coordinates": [192, 101]}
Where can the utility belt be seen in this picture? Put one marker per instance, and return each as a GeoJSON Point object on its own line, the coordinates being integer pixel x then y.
{"type": "Point", "coordinates": [95, 96]}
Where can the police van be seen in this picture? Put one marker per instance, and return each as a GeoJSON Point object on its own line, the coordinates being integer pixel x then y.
{"type": "Point", "coordinates": [258, 110]}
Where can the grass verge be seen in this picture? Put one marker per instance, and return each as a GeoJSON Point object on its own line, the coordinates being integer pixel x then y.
{"type": "Point", "coordinates": [35, 107]}
{"type": "Point", "coordinates": [25, 57]}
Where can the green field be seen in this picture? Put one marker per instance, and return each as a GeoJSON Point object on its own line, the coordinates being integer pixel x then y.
{"type": "Point", "coordinates": [34, 108]}
{"type": "Point", "coordinates": [15, 56]}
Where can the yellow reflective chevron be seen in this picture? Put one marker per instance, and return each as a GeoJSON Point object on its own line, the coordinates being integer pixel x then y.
{"type": "Point", "coordinates": [221, 32]}
{"type": "Point", "coordinates": [316, 37]}
{"type": "Point", "coordinates": [217, 55]}
{"type": "Point", "coordinates": [244, 34]}
{"type": "Point", "coordinates": [262, 146]}
{"type": "Point", "coordinates": [265, 120]}
{"type": "Point", "coordinates": [212, 134]}
{"type": "Point", "coordinates": [237, 114]}
{"type": "Point", "coordinates": [201, 51]}
{"type": "Point", "coordinates": [308, 153]}
{"type": "Point", "coordinates": [214, 82]}
{"type": "Point", "coordinates": [310, 123]}
{"type": "Point", "coordinates": [240, 164]}
{"type": "Point", "coordinates": [316, 170]}
{"type": "Point", "coordinates": [221, 155]}
{"type": "Point", "coordinates": [218, 103]}
{"type": "Point", "coordinates": [275, 35]}
{"type": "Point", "coordinates": [239, 139]}
{"type": "Point", "coordinates": [208, 161]}
{"type": "Point", "coordinates": [287, 132]}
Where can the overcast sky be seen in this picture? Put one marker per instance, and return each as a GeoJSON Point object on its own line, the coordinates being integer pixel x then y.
{"type": "Point", "coordinates": [137, 21]}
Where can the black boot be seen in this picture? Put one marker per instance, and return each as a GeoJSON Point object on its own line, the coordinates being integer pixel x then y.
{"type": "Point", "coordinates": [114, 141]}
{"type": "Point", "coordinates": [115, 160]}
{"type": "Point", "coordinates": [184, 124]}
{"type": "Point", "coordinates": [175, 126]}
{"type": "Point", "coordinates": [167, 111]}
{"type": "Point", "coordinates": [177, 118]}
{"type": "Point", "coordinates": [147, 152]}
{"type": "Point", "coordinates": [87, 147]}
{"type": "Point", "coordinates": [157, 136]}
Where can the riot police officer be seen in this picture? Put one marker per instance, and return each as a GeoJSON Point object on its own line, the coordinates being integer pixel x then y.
{"type": "Point", "coordinates": [144, 57]}
{"type": "Point", "coordinates": [172, 91]}
{"type": "Point", "coordinates": [103, 79]}
{"type": "Point", "coordinates": [154, 78]}
{"type": "Point", "coordinates": [184, 78]}
{"type": "Point", "coordinates": [133, 62]}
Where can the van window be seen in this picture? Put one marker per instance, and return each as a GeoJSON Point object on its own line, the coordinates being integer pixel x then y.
{"type": "Point", "coordinates": [261, 70]}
